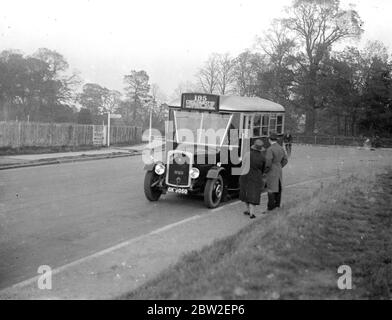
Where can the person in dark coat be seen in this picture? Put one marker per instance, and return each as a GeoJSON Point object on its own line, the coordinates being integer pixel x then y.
{"type": "Point", "coordinates": [276, 159]}
{"type": "Point", "coordinates": [252, 183]}
{"type": "Point", "coordinates": [288, 140]}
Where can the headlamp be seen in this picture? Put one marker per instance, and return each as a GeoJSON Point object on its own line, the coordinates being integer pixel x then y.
{"type": "Point", "coordinates": [159, 169]}
{"type": "Point", "coordinates": [194, 173]}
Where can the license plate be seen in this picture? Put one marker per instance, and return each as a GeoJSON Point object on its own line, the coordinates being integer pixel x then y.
{"type": "Point", "coordinates": [177, 190]}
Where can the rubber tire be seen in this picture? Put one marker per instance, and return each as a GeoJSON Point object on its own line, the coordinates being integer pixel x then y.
{"type": "Point", "coordinates": [150, 193]}
{"type": "Point", "coordinates": [209, 189]}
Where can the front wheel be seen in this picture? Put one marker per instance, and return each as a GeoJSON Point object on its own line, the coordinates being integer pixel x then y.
{"type": "Point", "coordinates": [213, 192]}
{"type": "Point", "coordinates": [151, 191]}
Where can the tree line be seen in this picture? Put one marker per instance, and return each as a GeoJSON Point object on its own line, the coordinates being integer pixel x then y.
{"type": "Point", "coordinates": [324, 90]}
{"type": "Point", "coordinates": [295, 63]}
{"type": "Point", "coordinates": [36, 87]}
{"type": "Point", "coordinates": [40, 87]}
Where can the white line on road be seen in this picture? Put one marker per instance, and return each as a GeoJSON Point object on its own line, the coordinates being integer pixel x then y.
{"type": "Point", "coordinates": [101, 253]}
{"type": "Point", "coordinates": [169, 226]}
{"type": "Point", "coordinates": [125, 243]}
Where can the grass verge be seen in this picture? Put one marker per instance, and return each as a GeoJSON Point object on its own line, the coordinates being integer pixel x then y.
{"type": "Point", "coordinates": [295, 253]}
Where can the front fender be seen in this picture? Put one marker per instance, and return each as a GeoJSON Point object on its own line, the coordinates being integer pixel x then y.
{"type": "Point", "coordinates": [214, 172]}
{"type": "Point", "coordinates": [149, 167]}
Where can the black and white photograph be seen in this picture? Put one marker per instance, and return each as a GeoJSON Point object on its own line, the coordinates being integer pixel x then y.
{"type": "Point", "coordinates": [216, 152]}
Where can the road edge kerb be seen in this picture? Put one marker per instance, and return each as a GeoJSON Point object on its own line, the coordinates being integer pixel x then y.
{"type": "Point", "coordinates": [67, 160]}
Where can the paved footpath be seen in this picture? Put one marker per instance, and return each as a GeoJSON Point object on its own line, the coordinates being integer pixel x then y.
{"type": "Point", "coordinates": [28, 160]}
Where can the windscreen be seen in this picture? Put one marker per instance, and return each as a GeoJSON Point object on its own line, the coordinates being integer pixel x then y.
{"type": "Point", "coordinates": [201, 127]}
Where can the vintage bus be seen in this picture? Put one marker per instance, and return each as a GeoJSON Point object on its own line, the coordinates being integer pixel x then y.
{"type": "Point", "coordinates": [205, 144]}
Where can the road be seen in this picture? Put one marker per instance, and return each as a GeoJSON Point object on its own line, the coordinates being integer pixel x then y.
{"type": "Point", "coordinates": [56, 214]}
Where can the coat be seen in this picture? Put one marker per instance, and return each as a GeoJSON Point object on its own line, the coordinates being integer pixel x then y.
{"type": "Point", "coordinates": [252, 183]}
{"type": "Point", "coordinates": [276, 159]}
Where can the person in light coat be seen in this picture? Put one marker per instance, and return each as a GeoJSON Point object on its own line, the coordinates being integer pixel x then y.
{"type": "Point", "coordinates": [276, 159]}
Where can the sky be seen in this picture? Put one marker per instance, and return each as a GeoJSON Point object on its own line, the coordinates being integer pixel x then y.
{"type": "Point", "coordinates": [170, 39]}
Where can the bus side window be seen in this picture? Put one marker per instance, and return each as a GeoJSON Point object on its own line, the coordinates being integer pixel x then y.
{"type": "Point", "coordinates": [279, 124]}
{"type": "Point", "coordinates": [272, 123]}
{"type": "Point", "coordinates": [257, 125]}
{"type": "Point", "coordinates": [264, 128]}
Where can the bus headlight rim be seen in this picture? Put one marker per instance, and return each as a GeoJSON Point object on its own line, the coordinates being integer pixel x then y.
{"type": "Point", "coordinates": [159, 169]}
{"type": "Point", "coordinates": [194, 173]}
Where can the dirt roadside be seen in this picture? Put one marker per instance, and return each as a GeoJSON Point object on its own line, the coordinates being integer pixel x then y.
{"type": "Point", "coordinates": [333, 244]}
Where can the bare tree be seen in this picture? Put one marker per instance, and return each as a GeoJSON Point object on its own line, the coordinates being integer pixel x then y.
{"type": "Point", "coordinates": [226, 75]}
{"type": "Point", "coordinates": [186, 86]}
{"type": "Point", "coordinates": [277, 44]}
{"type": "Point", "coordinates": [275, 81]}
{"type": "Point", "coordinates": [111, 101]}
{"type": "Point", "coordinates": [247, 66]}
{"type": "Point", "coordinates": [137, 91]}
{"type": "Point", "coordinates": [158, 98]}
{"type": "Point", "coordinates": [208, 76]}
{"type": "Point", "coordinates": [217, 75]}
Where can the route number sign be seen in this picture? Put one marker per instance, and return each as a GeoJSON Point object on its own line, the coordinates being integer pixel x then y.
{"type": "Point", "coordinates": [195, 101]}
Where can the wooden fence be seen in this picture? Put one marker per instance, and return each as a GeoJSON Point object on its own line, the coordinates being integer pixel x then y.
{"type": "Point", "coordinates": [36, 134]}
{"type": "Point", "coordinates": [123, 134]}
{"type": "Point", "coordinates": [338, 140]}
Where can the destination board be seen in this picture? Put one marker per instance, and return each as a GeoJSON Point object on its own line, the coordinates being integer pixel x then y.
{"type": "Point", "coordinates": [199, 101]}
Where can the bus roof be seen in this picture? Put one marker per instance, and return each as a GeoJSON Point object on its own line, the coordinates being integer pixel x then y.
{"type": "Point", "coordinates": [242, 104]}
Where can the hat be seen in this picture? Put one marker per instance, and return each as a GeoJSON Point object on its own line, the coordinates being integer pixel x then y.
{"type": "Point", "coordinates": [257, 145]}
{"type": "Point", "coordinates": [273, 137]}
